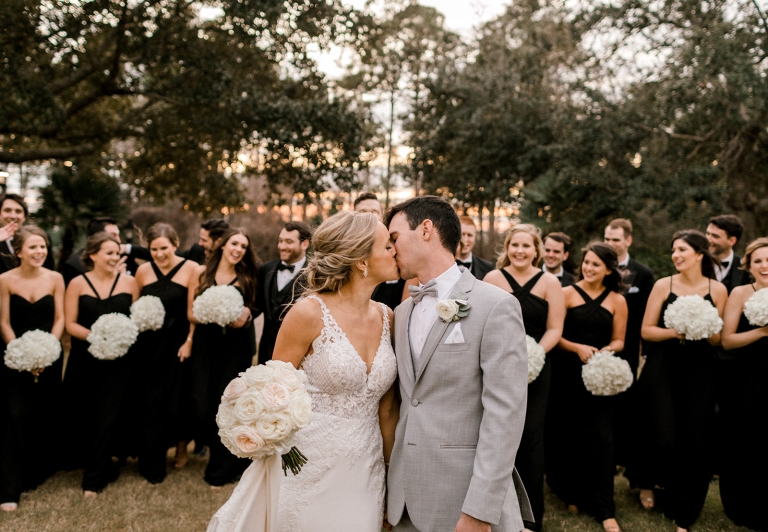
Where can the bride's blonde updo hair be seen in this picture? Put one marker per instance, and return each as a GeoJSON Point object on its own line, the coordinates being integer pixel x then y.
{"type": "Point", "coordinates": [341, 241]}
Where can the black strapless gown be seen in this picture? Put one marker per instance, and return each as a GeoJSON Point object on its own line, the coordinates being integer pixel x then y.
{"type": "Point", "coordinates": [579, 425]}
{"type": "Point", "coordinates": [29, 410]}
{"type": "Point", "coordinates": [96, 391]}
{"type": "Point", "coordinates": [217, 358]}
{"type": "Point", "coordinates": [164, 387]}
{"type": "Point", "coordinates": [675, 424]}
{"type": "Point", "coordinates": [530, 455]}
{"type": "Point", "coordinates": [743, 487]}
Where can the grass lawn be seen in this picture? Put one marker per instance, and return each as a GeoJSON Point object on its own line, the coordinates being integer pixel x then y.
{"type": "Point", "coordinates": [185, 503]}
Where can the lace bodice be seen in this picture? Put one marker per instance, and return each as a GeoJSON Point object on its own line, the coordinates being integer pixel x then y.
{"type": "Point", "coordinates": [339, 381]}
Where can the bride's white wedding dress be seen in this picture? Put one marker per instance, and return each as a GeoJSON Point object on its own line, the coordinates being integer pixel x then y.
{"type": "Point", "coordinates": [341, 487]}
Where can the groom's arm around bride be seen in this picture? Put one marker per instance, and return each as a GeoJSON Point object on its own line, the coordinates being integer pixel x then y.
{"type": "Point", "coordinates": [463, 388]}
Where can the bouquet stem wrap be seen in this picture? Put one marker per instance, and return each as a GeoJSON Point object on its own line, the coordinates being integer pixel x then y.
{"type": "Point", "coordinates": [253, 505]}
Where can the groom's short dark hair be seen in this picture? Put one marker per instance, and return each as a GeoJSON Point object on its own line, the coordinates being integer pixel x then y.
{"type": "Point", "coordinates": [433, 208]}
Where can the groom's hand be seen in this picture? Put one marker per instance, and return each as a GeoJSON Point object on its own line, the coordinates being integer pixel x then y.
{"type": "Point", "coordinates": [467, 523]}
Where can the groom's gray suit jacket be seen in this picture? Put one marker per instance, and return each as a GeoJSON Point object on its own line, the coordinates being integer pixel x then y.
{"type": "Point", "coordinates": [462, 417]}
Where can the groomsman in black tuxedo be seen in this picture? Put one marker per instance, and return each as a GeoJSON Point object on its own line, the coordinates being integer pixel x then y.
{"type": "Point", "coordinates": [278, 282]}
{"type": "Point", "coordinates": [13, 214]}
{"type": "Point", "coordinates": [638, 278]}
{"type": "Point", "coordinates": [390, 292]}
{"type": "Point", "coordinates": [723, 233]}
{"type": "Point", "coordinates": [557, 249]}
{"type": "Point", "coordinates": [464, 257]}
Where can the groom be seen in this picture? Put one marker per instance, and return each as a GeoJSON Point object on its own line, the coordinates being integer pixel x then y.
{"type": "Point", "coordinates": [463, 385]}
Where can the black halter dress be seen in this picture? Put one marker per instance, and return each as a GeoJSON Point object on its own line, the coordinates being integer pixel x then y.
{"type": "Point", "coordinates": [530, 455]}
{"type": "Point", "coordinates": [579, 426]}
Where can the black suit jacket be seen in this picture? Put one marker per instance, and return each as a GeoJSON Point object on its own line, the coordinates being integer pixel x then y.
{"type": "Point", "coordinates": [567, 279]}
{"type": "Point", "coordinates": [273, 316]}
{"type": "Point", "coordinates": [639, 282]}
{"type": "Point", "coordinates": [736, 277]}
{"type": "Point", "coordinates": [480, 267]}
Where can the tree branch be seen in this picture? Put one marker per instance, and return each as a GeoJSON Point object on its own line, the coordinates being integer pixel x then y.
{"type": "Point", "coordinates": [670, 134]}
{"type": "Point", "coordinates": [41, 154]}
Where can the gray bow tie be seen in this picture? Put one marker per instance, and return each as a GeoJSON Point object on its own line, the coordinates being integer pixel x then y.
{"type": "Point", "coordinates": [418, 292]}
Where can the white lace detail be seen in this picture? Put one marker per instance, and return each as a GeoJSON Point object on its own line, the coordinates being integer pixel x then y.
{"type": "Point", "coordinates": [343, 442]}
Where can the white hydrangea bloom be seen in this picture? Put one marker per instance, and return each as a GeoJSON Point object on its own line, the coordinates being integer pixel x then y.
{"type": "Point", "coordinates": [34, 350]}
{"type": "Point", "coordinates": [111, 336]}
{"type": "Point", "coordinates": [148, 313]}
{"type": "Point", "coordinates": [536, 358]}
{"type": "Point", "coordinates": [605, 374]}
{"type": "Point", "coordinates": [756, 308]}
{"type": "Point", "coordinates": [218, 304]}
{"type": "Point", "coordinates": [694, 317]}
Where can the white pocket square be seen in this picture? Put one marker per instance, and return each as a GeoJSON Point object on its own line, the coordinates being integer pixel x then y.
{"type": "Point", "coordinates": [455, 337]}
{"type": "Point", "coordinates": [633, 290]}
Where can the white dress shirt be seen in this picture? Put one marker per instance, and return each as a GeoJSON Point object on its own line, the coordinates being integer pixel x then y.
{"type": "Point", "coordinates": [284, 276]}
{"type": "Point", "coordinates": [625, 262]}
{"type": "Point", "coordinates": [722, 273]}
{"type": "Point", "coordinates": [559, 274]}
{"type": "Point", "coordinates": [424, 312]}
{"type": "Point", "coordinates": [9, 244]}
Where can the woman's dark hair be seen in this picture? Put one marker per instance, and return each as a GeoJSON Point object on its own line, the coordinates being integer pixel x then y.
{"type": "Point", "coordinates": [433, 208]}
{"type": "Point", "coordinates": [698, 241]}
{"type": "Point", "coordinates": [245, 270]}
{"type": "Point", "coordinates": [93, 246]}
{"type": "Point", "coordinates": [160, 230]}
{"type": "Point", "coordinates": [23, 234]}
{"type": "Point", "coordinates": [607, 255]}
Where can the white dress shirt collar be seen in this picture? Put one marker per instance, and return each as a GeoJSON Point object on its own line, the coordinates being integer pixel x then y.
{"type": "Point", "coordinates": [722, 273]}
{"type": "Point", "coordinates": [284, 276]}
{"type": "Point", "coordinates": [446, 281]}
{"type": "Point", "coordinates": [559, 274]}
{"type": "Point", "coordinates": [625, 262]}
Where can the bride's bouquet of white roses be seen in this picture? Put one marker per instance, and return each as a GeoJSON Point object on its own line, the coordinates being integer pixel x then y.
{"type": "Point", "coordinates": [218, 304]}
{"type": "Point", "coordinates": [605, 374]}
{"type": "Point", "coordinates": [33, 351]}
{"type": "Point", "coordinates": [536, 358]}
{"type": "Point", "coordinates": [111, 336]}
{"type": "Point", "coordinates": [694, 317]}
{"type": "Point", "coordinates": [756, 308]}
{"type": "Point", "coordinates": [262, 409]}
{"type": "Point", "coordinates": [148, 313]}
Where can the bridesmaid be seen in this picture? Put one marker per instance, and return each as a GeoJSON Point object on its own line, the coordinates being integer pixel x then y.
{"type": "Point", "coordinates": [96, 388]}
{"type": "Point", "coordinates": [219, 355]}
{"type": "Point", "coordinates": [32, 298]}
{"type": "Point", "coordinates": [162, 406]}
{"type": "Point", "coordinates": [744, 490]}
{"type": "Point", "coordinates": [676, 388]}
{"type": "Point", "coordinates": [579, 437]}
{"type": "Point", "coordinates": [543, 305]}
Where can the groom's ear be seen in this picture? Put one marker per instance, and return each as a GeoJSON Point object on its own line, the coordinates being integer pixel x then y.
{"type": "Point", "coordinates": [427, 228]}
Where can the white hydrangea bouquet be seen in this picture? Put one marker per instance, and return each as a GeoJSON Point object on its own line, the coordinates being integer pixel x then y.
{"type": "Point", "coordinates": [605, 374]}
{"type": "Point", "coordinates": [111, 336]}
{"type": "Point", "coordinates": [262, 409]}
{"type": "Point", "coordinates": [148, 313]}
{"type": "Point", "coordinates": [756, 308]}
{"type": "Point", "coordinates": [694, 317]}
{"type": "Point", "coordinates": [536, 358]}
{"type": "Point", "coordinates": [218, 304]}
{"type": "Point", "coordinates": [33, 351]}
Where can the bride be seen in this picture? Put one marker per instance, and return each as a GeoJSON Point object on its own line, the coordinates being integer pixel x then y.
{"type": "Point", "coordinates": [341, 339]}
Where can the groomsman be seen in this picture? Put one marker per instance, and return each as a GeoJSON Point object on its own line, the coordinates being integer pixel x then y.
{"type": "Point", "coordinates": [557, 249]}
{"type": "Point", "coordinates": [464, 257]}
{"type": "Point", "coordinates": [13, 214]}
{"type": "Point", "coordinates": [723, 233]}
{"type": "Point", "coordinates": [277, 282]}
{"type": "Point", "coordinates": [391, 293]}
{"type": "Point", "coordinates": [639, 281]}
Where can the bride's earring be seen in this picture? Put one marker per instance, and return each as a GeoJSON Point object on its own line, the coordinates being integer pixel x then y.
{"type": "Point", "coordinates": [365, 272]}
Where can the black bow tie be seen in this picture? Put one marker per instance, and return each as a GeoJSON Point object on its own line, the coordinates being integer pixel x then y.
{"type": "Point", "coordinates": [284, 266]}
{"type": "Point", "coordinates": [467, 265]}
{"type": "Point", "coordinates": [725, 263]}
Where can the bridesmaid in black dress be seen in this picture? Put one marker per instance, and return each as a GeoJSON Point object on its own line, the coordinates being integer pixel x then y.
{"type": "Point", "coordinates": [219, 355]}
{"type": "Point", "coordinates": [32, 298]}
{"type": "Point", "coordinates": [676, 389]}
{"type": "Point", "coordinates": [96, 389]}
{"type": "Point", "coordinates": [742, 484]}
{"type": "Point", "coordinates": [579, 426]}
{"type": "Point", "coordinates": [543, 305]}
{"type": "Point", "coordinates": [163, 403]}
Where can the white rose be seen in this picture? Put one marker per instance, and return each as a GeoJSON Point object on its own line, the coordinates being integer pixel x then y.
{"type": "Point", "coordinates": [288, 378]}
{"type": "Point", "coordinates": [225, 435]}
{"type": "Point", "coordinates": [257, 376]}
{"type": "Point", "coordinates": [234, 390]}
{"type": "Point", "coordinates": [301, 410]}
{"type": "Point", "coordinates": [247, 440]}
{"type": "Point", "coordinates": [276, 396]}
{"type": "Point", "coordinates": [249, 407]}
{"type": "Point", "coordinates": [273, 427]}
{"type": "Point", "coordinates": [225, 417]}
{"type": "Point", "coordinates": [447, 309]}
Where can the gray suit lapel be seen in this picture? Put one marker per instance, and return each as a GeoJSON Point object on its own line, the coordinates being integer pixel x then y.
{"type": "Point", "coordinates": [403, 343]}
{"type": "Point", "coordinates": [465, 284]}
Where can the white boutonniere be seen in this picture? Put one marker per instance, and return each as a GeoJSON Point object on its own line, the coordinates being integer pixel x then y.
{"type": "Point", "coordinates": [453, 308]}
